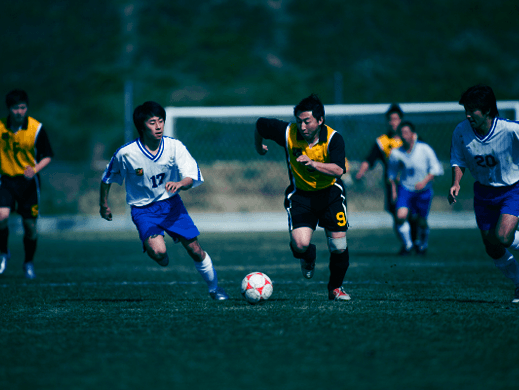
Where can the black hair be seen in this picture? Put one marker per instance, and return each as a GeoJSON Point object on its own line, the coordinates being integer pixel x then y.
{"type": "Point", "coordinates": [394, 109]}
{"type": "Point", "coordinates": [480, 97]}
{"type": "Point", "coordinates": [145, 111]}
{"type": "Point", "coordinates": [311, 103]}
{"type": "Point", "coordinates": [16, 96]}
{"type": "Point", "coordinates": [408, 124]}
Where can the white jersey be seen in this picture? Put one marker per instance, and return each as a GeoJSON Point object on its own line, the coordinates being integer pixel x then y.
{"type": "Point", "coordinates": [493, 160]}
{"type": "Point", "coordinates": [147, 174]}
{"type": "Point", "coordinates": [414, 166]}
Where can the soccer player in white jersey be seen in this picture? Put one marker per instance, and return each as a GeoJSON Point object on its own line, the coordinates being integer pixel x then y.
{"type": "Point", "coordinates": [155, 169]}
{"type": "Point", "coordinates": [489, 147]}
{"type": "Point", "coordinates": [415, 165]}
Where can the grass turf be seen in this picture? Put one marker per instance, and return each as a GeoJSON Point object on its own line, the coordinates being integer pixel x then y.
{"type": "Point", "coordinates": [101, 315]}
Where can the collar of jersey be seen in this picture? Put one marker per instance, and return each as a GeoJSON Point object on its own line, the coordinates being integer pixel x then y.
{"type": "Point", "coordinates": [490, 133]}
{"type": "Point", "coordinates": [147, 153]}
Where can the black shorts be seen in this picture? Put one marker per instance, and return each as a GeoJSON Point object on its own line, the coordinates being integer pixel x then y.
{"type": "Point", "coordinates": [326, 208]}
{"type": "Point", "coordinates": [20, 195]}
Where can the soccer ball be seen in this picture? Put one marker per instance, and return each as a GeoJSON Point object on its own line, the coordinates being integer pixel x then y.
{"type": "Point", "coordinates": [256, 287]}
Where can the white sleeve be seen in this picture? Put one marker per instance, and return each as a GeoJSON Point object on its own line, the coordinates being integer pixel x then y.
{"type": "Point", "coordinates": [457, 157]}
{"type": "Point", "coordinates": [114, 172]}
{"type": "Point", "coordinates": [187, 166]}
{"type": "Point", "coordinates": [435, 167]}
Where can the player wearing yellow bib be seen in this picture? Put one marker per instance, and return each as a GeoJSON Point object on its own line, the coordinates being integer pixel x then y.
{"type": "Point", "coordinates": [316, 195]}
{"type": "Point", "coordinates": [24, 151]}
{"type": "Point", "coordinates": [380, 151]}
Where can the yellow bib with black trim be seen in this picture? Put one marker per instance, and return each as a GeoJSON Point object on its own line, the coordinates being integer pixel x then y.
{"type": "Point", "coordinates": [307, 178]}
{"type": "Point", "coordinates": [17, 150]}
{"type": "Point", "coordinates": [387, 144]}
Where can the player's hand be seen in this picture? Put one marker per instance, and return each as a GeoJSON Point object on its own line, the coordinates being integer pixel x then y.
{"type": "Point", "coordinates": [263, 150]}
{"type": "Point", "coordinates": [105, 212]}
{"type": "Point", "coordinates": [453, 194]}
{"type": "Point", "coordinates": [304, 159]}
{"type": "Point", "coordinates": [172, 186]}
{"type": "Point", "coordinates": [419, 186]}
{"type": "Point", "coordinates": [29, 172]}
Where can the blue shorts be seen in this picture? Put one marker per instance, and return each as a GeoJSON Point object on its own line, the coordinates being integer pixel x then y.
{"type": "Point", "coordinates": [417, 202]}
{"type": "Point", "coordinates": [491, 202]}
{"type": "Point", "coordinates": [169, 215]}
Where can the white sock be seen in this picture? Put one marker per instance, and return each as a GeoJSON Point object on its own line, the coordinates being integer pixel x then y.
{"type": "Point", "coordinates": [515, 244]}
{"type": "Point", "coordinates": [509, 267]}
{"type": "Point", "coordinates": [206, 269]}
{"type": "Point", "coordinates": [404, 232]}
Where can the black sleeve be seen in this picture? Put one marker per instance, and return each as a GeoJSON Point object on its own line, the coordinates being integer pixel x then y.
{"type": "Point", "coordinates": [336, 150]}
{"type": "Point", "coordinates": [273, 129]}
{"type": "Point", "coordinates": [43, 148]}
{"type": "Point", "coordinates": [374, 155]}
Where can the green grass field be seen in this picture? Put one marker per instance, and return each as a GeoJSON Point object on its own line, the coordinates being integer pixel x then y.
{"type": "Point", "coordinates": [101, 315]}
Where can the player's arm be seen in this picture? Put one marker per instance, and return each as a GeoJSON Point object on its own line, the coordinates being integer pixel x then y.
{"type": "Point", "coordinates": [422, 184]}
{"type": "Point", "coordinates": [370, 160]}
{"type": "Point", "coordinates": [260, 147]}
{"type": "Point", "coordinates": [182, 185]}
{"type": "Point", "coordinates": [330, 169]}
{"type": "Point", "coordinates": [457, 174]}
{"type": "Point", "coordinates": [44, 154]}
{"type": "Point", "coordinates": [337, 163]}
{"type": "Point", "coordinates": [30, 172]}
{"type": "Point", "coordinates": [104, 209]}
{"type": "Point", "coordinates": [393, 173]}
{"type": "Point", "coordinates": [273, 129]}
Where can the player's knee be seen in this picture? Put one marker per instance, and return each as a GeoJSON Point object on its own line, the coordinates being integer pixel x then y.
{"type": "Point", "coordinates": [306, 252]}
{"type": "Point", "coordinates": [337, 245]}
{"type": "Point", "coordinates": [161, 257]}
{"type": "Point", "coordinates": [493, 250]}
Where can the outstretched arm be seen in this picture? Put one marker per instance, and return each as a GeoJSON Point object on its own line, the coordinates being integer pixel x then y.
{"type": "Point", "coordinates": [104, 210]}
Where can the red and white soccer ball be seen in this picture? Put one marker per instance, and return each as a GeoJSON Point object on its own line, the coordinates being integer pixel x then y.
{"type": "Point", "coordinates": [256, 287]}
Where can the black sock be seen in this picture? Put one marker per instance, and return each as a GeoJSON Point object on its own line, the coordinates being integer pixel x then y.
{"type": "Point", "coordinates": [339, 263]}
{"type": "Point", "coordinates": [30, 249]}
{"type": "Point", "coordinates": [4, 237]}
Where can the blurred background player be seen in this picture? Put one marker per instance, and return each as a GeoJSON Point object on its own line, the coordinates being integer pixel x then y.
{"type": "Point", "coordinates": [24, 151]}
{"type": "Point", "coordinates": [316, 194]}
{"type": "Point", "coordinates": [416, 165]}
{"type": "Point", "coordinates": [156, 169]}
{"type": "Point", "coordinates": [488, 146]}
{"type": "Point", "coordinates": [380, 151]}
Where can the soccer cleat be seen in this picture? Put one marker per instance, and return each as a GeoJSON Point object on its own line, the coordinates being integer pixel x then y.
{"type": "Point", "coordinates": [219, 294]}
{"type": "Point", "coordinates": [516, 296]}
{"type": "Point", "coordinates": [307, 269]}
{"type": "Point", "coordinates": [4, 258]}
{"type": "Point", "coordinates": [28, 268]}
{"type": "Point", "coordinates": [338, 295]}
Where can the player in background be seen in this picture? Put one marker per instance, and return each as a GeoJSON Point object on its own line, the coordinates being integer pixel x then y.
{"type": "Point", "coordinates": [156, 169]}
{"type": "Point", "coordinates": [24, 151]}
{"type": "Point", "coordinates": [416, 165]}
{"type": "Point", "coordinates": [316, 195]}
{"type": "Point", "coordinates": [488, 146]}
{"type": "Point", "coordinates": [380, 151]}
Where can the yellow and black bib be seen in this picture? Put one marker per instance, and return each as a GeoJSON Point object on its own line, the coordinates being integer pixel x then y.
{"type": "Point", "coordinates": [387, 144]}
{"type": "Point", "coordinates": [17, 150]}
{"type": "Point", "coordinates": [307, 178]}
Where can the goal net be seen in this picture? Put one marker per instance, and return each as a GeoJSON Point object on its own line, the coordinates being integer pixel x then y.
{"type": "Point", "coordinates": [239, 180]}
